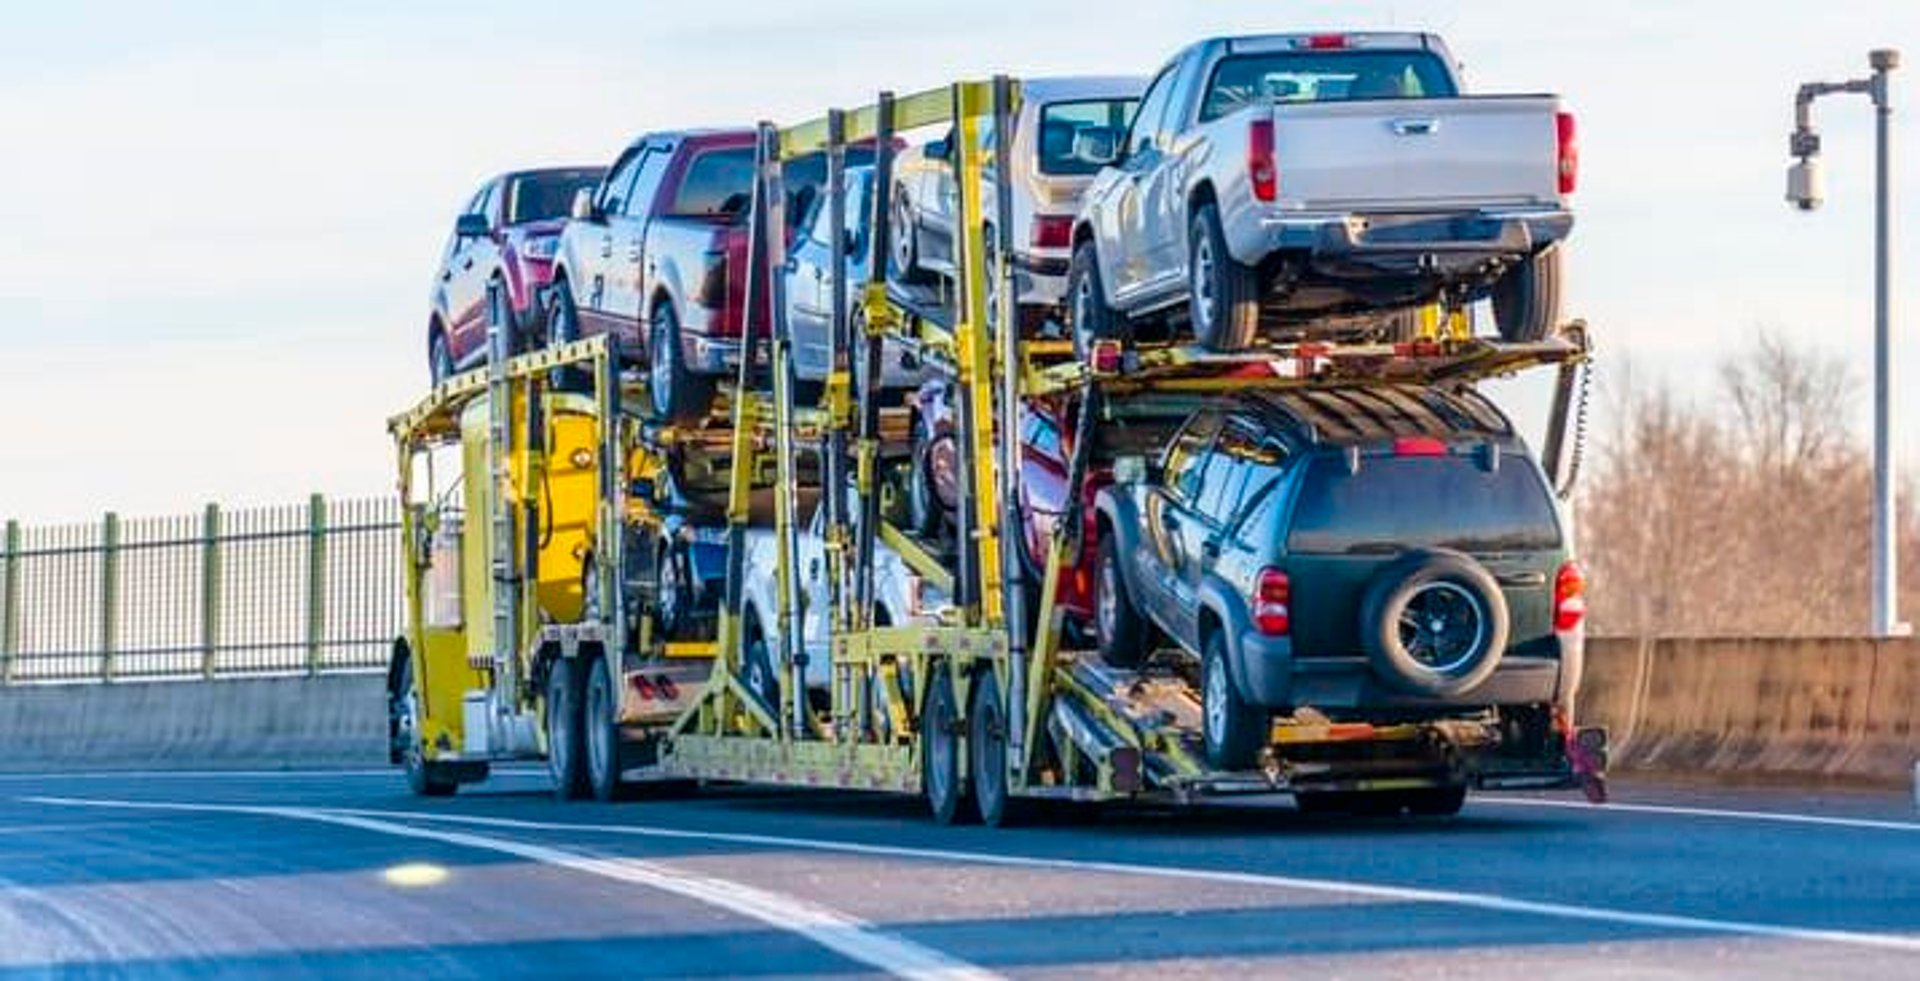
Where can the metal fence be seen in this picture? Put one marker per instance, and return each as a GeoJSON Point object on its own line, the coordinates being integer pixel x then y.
{"type": "Point", "coordinates": [302, 588]}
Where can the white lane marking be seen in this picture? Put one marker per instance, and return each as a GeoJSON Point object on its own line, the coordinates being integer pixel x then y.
{"type": "Point", "coordinates": [1777, 817]}
{"type": "Point", "coordinates": [193, 775]}
{"type": "Point", "coordinates": [846, 935]}
{"type": "Point", "coordinates": [1391, 893]}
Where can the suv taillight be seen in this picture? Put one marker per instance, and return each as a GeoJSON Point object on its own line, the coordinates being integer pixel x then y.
{"type": "Point", "coordinates": [1569, 597]}
{"type": "Point", "coordinates": [1052, 231]}
{"type": "Point", "coordinates": [1262, 171]}
{"type": "Point", "coordinates": [1271, 613]}
{"type": "Point", "coordinates": [1567, 151]}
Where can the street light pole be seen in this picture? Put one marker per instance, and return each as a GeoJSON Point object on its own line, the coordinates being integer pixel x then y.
{"type": "Point", "coordinates": [1805, 191]}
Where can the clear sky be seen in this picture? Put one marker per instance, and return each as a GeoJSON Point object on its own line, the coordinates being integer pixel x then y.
{"type": "Point", "coordinates": [220, 220]}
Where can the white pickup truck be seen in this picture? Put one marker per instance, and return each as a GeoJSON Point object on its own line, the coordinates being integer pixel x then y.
{"type": "Point", "coordinates": [1323, 185]}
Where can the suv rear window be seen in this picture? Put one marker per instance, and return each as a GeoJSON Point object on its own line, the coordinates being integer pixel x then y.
{"type": "Point", "coordinates": [1063, 123]}
{"type": "Point", "coordinates": [1400, 502]}
{"type": "Point", "coordinates": [1324, 76]}
{"type": "Point", "coordinates": [545, 196]}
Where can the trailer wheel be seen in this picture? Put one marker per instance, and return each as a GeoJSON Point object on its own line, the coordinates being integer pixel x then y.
{"type": "Point", "coordinates": [566, 742]}
{"type": "Point", "coordinates": [987, 754]}
{"type": "Point", "coordinates": [940, 769]}
{"type": "Point", "coordinates": [1526, 299]}
{"type": "Point", "coordinates": [601, 722]}
{"type": "Point", "coordinates": [1436, 801]}
{"type": "Point", "coordinates": [1223, 296]}
{"type": "Point", "coordinates": [424, 777]}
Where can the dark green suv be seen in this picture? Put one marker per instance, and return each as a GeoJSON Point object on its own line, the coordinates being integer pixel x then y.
{"type": "Point", "coordinates": [1372, 553]}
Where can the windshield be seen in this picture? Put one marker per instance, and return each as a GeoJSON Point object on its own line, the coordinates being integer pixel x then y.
{"type": "Point", "coordinates": [718, 182]}
{"type": "Point", "coordinates": [545, 196]}
{"type": "Point", "coordinates": [1064, 124]}
{"type": "Point", "coordinates": [1324, 76]}
{"type": "Point", "coordinates": [1398, 502]}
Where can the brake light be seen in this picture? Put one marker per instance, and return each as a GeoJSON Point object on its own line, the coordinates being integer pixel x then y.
{"type": "Point", "coordinates": [1263, 172]}
{"type": "Point", "coordinates": [1271, 613]}
{"type": "Point", "coordinates": [1567, 153]}
{"type": "Point", "coordinates": [1052, 231]}
{"type": "Point", "coordinates": [1419, 446]}
{"type": "Point", "coordinates": [1106, 357]}
{"type": "Point", "coordinates": [1569, 597]}
{"type": "Point", "coordinates": [1326, 42]}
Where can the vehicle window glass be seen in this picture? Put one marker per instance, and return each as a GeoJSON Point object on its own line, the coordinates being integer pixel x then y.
{"type": "Point", "coordinates": [613, 194]}
{"type": "Point", "coordinates": [1062, 124]}
{"type": "Point", "coordinates": [1237, 454]}
{"type": "Point", "coordinates": [1044, 437]}
{"type": "Point", "coordinates": [1394, 503]}
{"type": "Point", "coordinates": [1147, 117]}
{"type": "Point", "coordinates": [545, 196]}
{"type": "Point", "coordinates": [1181, 471]}
{"type": "Point", "coordinates": [717, 183]}
{"type": "Point", "coordinates": [646, 184]}
{"type": "Point", "coordinates": [1323, 76]}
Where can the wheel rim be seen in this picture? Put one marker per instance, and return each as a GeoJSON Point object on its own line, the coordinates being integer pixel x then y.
{"type": "Point", "coordinates": [903, 237]}
{"type": "Point", "coordinates": [1216, 701]}
{"type": "Point", "coordinates": [660, 365]}
{"type": "Point", "coordinates": [1083, 315]}
{"type": "Point", "coordinates": [758, 678]}
{"type": "Point", "coordinates": [559, 743]}
{"type": "Point", "coordinates": [671, 603]}
{"type": "Point", "coordinates": [993, 754]}
{"type": "Point", "coordinates": [1442, 626]}
{"type": "Point", "coordinates": [409, 726]}
{"type": "Point", "coordinates": [940, 752]}
{"type": "Point", "coordinates": [562, 320]}
{"type": "Point", "coordinates": [1107, 604]}
{"type": "Point", "coordinates": [1202, 281]}
{"type": "Point", "coordinates": [599, 724]}
{"type": "Point", "coordinates": [590, 588]}
{"type": "Point", "coordinates": [442, 361]}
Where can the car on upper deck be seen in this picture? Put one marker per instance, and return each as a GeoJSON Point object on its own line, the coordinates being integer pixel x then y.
{"type": "Point", "coordinates": [1355, 551]}
{"type": "Point", "coordinates": [501, 251]}
{"type": "Point", "coordinates": [1324, 186]}
{"type": "Point", "coordinates": [810, 283]}
{"type": "Point", "coordinates": [1057, 119]}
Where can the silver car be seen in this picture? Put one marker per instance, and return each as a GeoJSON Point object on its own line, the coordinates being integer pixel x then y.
{"type": "Point", "coordinates": [1058, 119]}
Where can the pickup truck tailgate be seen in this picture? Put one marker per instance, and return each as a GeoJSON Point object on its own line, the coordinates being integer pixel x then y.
{"type": "Point", "coordinates": [1409, 155]}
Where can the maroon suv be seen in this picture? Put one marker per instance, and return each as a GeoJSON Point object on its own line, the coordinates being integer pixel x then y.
{"type": "Point", "coordinates": [502, 248]}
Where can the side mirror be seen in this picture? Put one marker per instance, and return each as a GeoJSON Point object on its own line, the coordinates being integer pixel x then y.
{"type": "Point", "coordinates": [582, 207]}
{"type": "Point", "coordinates": [1097, 146]}
{"type": "Point", "coordinates": [472, 226]}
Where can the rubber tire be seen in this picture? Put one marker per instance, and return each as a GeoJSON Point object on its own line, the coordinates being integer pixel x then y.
{"type": "Point", "coordinates": [566, 737]}
{"type": "Point", "coordinates": [1242, 730]}
{"type": "Point", "coordinates": [1379, 622]}
{"type": "Point", "coordinates": [601, 731]}
{"type": "Point", "coordinates": [1089, 318]}
{"type": "Point", "coordinates": [906, 242]}
{"type": "Point", "coordinates": [1436, 801]}
{"type": "Point", "coordinates": [1234, 320]}
{"type": "Point", "coordinates": [439, 358]}
{"type": "Point", "coordinates": [1122, 638]}
{"type": "Point", "coordinates": [940, 771]}
{"type": "Point", "coordinates": [758, 657]}
{"type": "Point", "coordinates": [987, 755]}
{"type": "Point", "coordinates": [1526, 300]}
{"type": "Point", "coordinates": [926, 515]}
{"type": "Point", "coordinates": [563, 327]}
{"type": "Point", "coordinates": [424, 779]}
{"type": "Point", "coordinates": [672, 619]}
{"type": "Point", "coordinates": [685, 396]}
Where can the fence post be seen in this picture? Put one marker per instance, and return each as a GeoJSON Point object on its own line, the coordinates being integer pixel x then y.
{"type": "Point", "coordinates": [10, 604]}
{"type": "Point", "coordinates": [109, 591]}
{"type": "Point", "coordinates": [316, 579]}
{"type": "Point", "coordinates": [209, 591]}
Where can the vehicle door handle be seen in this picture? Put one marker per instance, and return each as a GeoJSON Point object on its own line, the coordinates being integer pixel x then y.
{"type": "Point", "coordinates": [633, 250]}
{"type": "Point", "coordinates": [1416, 127]}
{"type": "Point", "coordinates": [606, 246]}
{"type": "Point", "coordinates": [467, 264]}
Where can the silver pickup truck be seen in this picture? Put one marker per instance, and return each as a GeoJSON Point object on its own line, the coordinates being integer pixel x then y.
{"type": "Point", "coordinates": [1323, 185]}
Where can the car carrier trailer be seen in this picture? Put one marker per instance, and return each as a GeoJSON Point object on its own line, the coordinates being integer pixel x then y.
{"type": "Point", "coordinates": [982, 712]}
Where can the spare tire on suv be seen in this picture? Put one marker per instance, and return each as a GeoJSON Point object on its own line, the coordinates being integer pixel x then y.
{"type": "Point", "coordinates": [1434, 623]}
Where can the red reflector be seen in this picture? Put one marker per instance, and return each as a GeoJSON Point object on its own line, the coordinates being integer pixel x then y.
{"type": "Point", "coordinates": [1419, 446]}
{"type": "Point", "coordinates": [1271, 613]}
{"type": "Point", "coordinates": [1106, 357]}
{"type": "Point", "coordinates": [1569, 597]}
{"type": "Point", "coordinates": [1052, 231]}
{"type": "Point", "coordinates": [643, 687]}
{"type": "Point", "coordinates": [1327, 42]}
{"type": "Point", "coordinates": [668, 690]}
{"type": "Point", "coordinates": [1567, 155]}
{"type": "Point", "coordinates": [1262, 170]}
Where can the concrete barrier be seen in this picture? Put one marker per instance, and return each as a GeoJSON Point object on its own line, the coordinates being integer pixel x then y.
{"type": "Point", "coordinates": [1845, 708]}
{"type": "Point", "coordinates": [329, 720]}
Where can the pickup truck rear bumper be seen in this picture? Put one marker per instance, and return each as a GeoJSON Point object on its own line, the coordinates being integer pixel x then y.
{"type": "Point", "coordinates": [710, 355]}
{"type": "Point", "coordinates": [1431, 240]}
{"type": "Point", "coordinates": [1271, 676]}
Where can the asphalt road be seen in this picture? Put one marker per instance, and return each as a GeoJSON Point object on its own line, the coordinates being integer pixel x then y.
{"type": "Point", "coordinates": [343, 874]}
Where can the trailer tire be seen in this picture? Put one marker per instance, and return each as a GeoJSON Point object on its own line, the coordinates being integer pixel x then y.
{"type": "Point", "coordinates": [756, 669]}
{"type": "Point", "coordinates": [424, 777]}
{"type": "Point", "coordinates": [566, 739]}
{"type": "Point", "coordinates": [1223, 296]}
{"type": "Point", "coordinates": [1526, 299]}
{"type": "Point", "coordinates": [601, 725]}
{"type": "Point", "coordinates": [940, 771]}
{"type": "Point", "coordinates": [1119, 627]}
{"type": "Point", "coordinates": [987, 755]}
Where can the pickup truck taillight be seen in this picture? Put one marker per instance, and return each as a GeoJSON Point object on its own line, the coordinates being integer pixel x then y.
{"type": "Point", "coordinates": [1262, 170]}
{"type": "Point", "coordinates": [1567, 154]}
{"type": "Point", "coordinates": [1271, 613]}
{"type": "Point", "coordinates": [1569, 597]}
